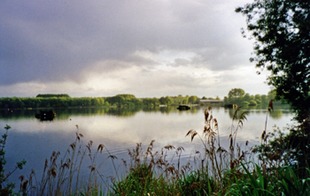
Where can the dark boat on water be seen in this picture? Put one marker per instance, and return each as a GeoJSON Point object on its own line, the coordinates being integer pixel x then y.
{"type": "Point", "coordinates": [183, 107]}
{"type": "Point", "coordinates": [46, 115]}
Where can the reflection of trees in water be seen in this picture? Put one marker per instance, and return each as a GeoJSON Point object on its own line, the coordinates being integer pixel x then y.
{"type": "Point", "coordinates": [125, 112]}
{"type": "Point", "coordinates": [65, 114]}
{"type": "Point", "coordinates": [275, 114]}
{"type": "Point", "coordinates": [17, 114]}
{"type": "Point", "coordinates": [171, 109]}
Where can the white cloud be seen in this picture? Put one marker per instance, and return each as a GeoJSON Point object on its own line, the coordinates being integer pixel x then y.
{"type": "Point", "coordinates": [149, 48]}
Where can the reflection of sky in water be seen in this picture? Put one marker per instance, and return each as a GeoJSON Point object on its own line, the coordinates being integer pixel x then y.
{"type": "Point", "coordinates": [35, 141]}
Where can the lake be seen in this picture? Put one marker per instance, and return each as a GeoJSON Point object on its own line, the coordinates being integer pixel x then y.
{"type": "Point", "coordinates": [35, 140]}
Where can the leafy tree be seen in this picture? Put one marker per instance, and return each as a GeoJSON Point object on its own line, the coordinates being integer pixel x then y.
{"type": "Point", "coordinates": [236, 92]}
{"type": "Point", "coordinates": [247, 97]}
{"type": "Point", "coordinates": [281, 30]}
{"type": "Point", "coordinates": [193, 99]}
{"type": "Point", "coordinates": [236, 96]}
{"type": "Point", "coordinates": [124, 100]}
{"type": "Point", "coordinates": [165, 100]}
{"type": "Point", "coordinates": [179, 99]}
{"type": "Point", "coordinates": [150, 102]}
{"type": "Point", "coordinates": [272, 94]}
{"type": "Point", "coordinates": [281, 33]}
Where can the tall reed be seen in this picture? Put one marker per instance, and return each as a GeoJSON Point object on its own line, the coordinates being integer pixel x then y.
{"type": "Point", "coordinates": [152, 171]}
{"type": "Point", "coordinates": [216, 157]}
{"type": "Point", "coordinates": [63, 175]}
{"type": "Point", "coordinates": [162, 171]}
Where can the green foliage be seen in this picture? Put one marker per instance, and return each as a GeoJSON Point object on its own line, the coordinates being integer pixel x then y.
{"type": "Point", "coordinates": [239, 97]}
{"type": "Point", "coordinates": [280, 181]}
{"type": "Point", "coordinates": [222, 172]}
{"type": "Point", "coordinates": [279, 149]}
{"type": "Point", "coordinates": [282, 45]}
{"type": "Point", "coordinates": [165, 100]}
{"type": "Point", "coordinates": [139, 181]}
{"type": "Point", "coordinates": [252, 103]}
{"type": "Point", "coordinates": [291, 184]}
{"type": "Point", "coordinates": [51, 102]}
{"type": "Point", "coordinates": [197, 183]}
{"type": "Point", "coordinates": [150, 173]}
{"type": "Point", "coordinates": [123, 101]}
{"type": "Point", "coordinates": [240, 178]}
{"type": "Point", "coordinates": [244, 182]}
{"type": "Point", "coordinates": [176, 100]}
{"type": "Point", "coordinates": [193, 100]}
{"type": "Point", "coordinates": [150, 102]}
{"type": "Point", "coordinates": [236, 92]}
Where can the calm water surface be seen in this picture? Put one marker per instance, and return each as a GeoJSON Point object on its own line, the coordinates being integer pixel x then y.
{"type": "Point", "coordinates": [34, 140]}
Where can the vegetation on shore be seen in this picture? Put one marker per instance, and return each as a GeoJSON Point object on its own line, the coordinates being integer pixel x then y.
{"type": "Point", "coordinates": [117, 101]}
{"type": "Point", "coordinates": [211, 170]}
{"type": "Point", "coordinates": [235, 96]}
{"type": "Point", "coordinates": [281, 44]}
{"type": "Point", "coordinates": [281, 33]}
{"type": "Point", "coordinates": [239, 97]}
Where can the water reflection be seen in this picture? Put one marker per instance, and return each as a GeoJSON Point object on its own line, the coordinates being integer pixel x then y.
{"type": "Point", "coordinates": [34, 140]}
{"type": "Point", "coordinates": [65, 114]}
{"type": "Point", "coordinates": [165, 125]}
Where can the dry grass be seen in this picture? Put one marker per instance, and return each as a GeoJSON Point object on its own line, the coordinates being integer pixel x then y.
{"type": "Point", "coordinates": [62, 175]}
{"type": "Point", "coordinates": [215, 157]}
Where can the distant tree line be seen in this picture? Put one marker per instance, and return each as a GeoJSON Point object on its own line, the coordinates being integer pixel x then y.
{"type": "Point", "coordinates": [52, 102]}
{"type": "Point", "coordinates": [239, 97]}
{"type": "Point", "coordinates": [117, 101]}
{"type": "Point", "coordinates": [235, 96]}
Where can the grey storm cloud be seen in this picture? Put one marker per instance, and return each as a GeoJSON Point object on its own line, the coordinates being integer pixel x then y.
{"type": "Point", "coordinates": [57, 40]}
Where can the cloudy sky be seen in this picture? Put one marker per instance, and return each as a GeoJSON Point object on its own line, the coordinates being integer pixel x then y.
{"type": "Point", "coordinates": [149, 48]}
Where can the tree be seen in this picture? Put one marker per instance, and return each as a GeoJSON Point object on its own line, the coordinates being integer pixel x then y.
{"type": "Point", "coordinates": [247, 97]}
{"type": "Point", "coordinates": [165, 100]}
{"type": "Point", "coordinates": [150, 102]}
{"type": "Point", "coordinates": [281, 32]}
{"type": "Point", "coordinates": [193, 99]}
{"type": "Point", "coordinates": [236, 93]}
